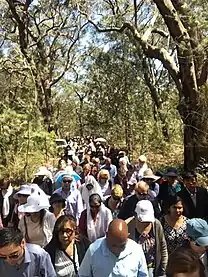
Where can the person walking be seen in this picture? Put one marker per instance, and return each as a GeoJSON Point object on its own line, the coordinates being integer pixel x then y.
{"type": "Point", "coordinates": [19, 259]}
{"type": "Point", "coordinates": [37, 223]}
{"type": "Point", "coordinates": [71, 194]}
{"type": "Point", "coordinates": [95, 219]}
{"type": "Point", "coordinates": [195, 198]}
{"type": "Point", "coordinates": [7, 202]}
{"type": "Point", "coordinates": [147, 231]}
{"type": "Point", "coordinates": [174, 223]}
{"type": "Point", "coordinates": [67, 247]}
{"type": "Point", "coordinates": [114, 255]}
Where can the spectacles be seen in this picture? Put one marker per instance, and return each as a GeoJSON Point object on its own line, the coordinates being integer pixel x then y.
{"type": "Point", "coordinates": [11, 257]}
{"type": "Point", "coordinates": [67, 181]}
{"type": "Point", "coordinates": [68, 231]}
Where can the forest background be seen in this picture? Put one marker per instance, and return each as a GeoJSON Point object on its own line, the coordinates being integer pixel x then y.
{"type": "Point", "coordinates": [134, 72]}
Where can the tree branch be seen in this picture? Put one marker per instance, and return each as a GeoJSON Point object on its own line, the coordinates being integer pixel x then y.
{"type": "Point", "coordinates": [135, 13]}
{"type": "Point", "coordinates": [161, 33]}
{"type": "Point", "coordinates": [184, 48]}
{"type": "Point", "coordinates": [68, 56]}
{"type": "Point", "coordinates": [151, 51]}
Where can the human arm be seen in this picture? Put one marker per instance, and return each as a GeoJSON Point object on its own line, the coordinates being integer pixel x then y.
{"type": "Point", "coordinates": [85, 269]}
{"type": "Point", "coordinates": [109, 218]}
{"type": "Point", "coordinates": [133, 179]}
{"type": "Point", "coordinates": [1, 224]}
{"type": "Point", "coordinates": [47, 269]}
{"type": "Point", "coordinates": [80, 207]}
{"type": "Point", "coordinates": [83, 223]}
{"type": "Point", "coordinates": [155, 191]}
{"type": "Point", "coordinates": [164, 250]}
{"type": "Point", "coordinates": [21, 226]}
{"type": "Point", "coordinates": [142, 267]}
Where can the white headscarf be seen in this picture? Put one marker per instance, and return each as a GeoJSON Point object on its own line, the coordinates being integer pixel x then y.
{"type": "Point", "coordinates": [86, 193]}
{"type": "Point", "coordinates": [97, 229]}
{"type": "Point", "coordinates": [6, 193]}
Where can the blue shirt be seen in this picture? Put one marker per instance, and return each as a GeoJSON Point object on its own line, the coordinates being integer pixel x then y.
{"type": "Point", "coordinates": [37, 263]}
{"type": "Point", "coordinates": [99, 261]}
{"type": "Point", "coordinates": [112, 170]}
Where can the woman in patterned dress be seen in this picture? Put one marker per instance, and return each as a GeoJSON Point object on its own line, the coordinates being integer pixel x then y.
{"type": "Point", "coordinates": [174, 223]}
{"type": "Point", "coordinates": [67, 248]}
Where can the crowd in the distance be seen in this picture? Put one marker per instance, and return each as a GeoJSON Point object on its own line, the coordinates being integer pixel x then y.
{"type": "Point", "coordinates": [98, 215]}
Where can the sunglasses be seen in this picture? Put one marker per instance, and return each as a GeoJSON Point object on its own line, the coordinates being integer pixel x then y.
{"type": "Point", "coordinates": [95, 207]}
{"type": "Point", "coordinates": [141, 193]}
{"type": "Point", "coordinates": [89, 186]}
{"type": "Point", "coordinates": [11, 257]}
{"type": "Point", "coordinates": [116, 198]}
{"type": "Point", "coordinates": [22, 195]}
{"type": "Point", "coordinates": [68, 231]}
{"type": "Point", "coordinates": [67, 181]}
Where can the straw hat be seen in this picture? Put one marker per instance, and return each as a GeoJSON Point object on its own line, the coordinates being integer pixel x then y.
{"type": "Point", "coordinates": [148, 174]}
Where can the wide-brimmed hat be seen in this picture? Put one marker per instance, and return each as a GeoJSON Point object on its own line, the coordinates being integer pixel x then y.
{"type": "Point", "coordinates": [197, 230]}
{"type": "Point", "coordinates": [42, 171]}
{"type": "Point", "coordinates": [171, 172]}
{"type": "Point", "coordinates": [24, 190]}
{"type": "Point", "coordinates": [148, 174]}
{"type": "Point", "coordinates": [34, 204]}
{"type": "Point", "coordinates": [189, 174]}
{"type": "Point", "coordinates": [145, 211]}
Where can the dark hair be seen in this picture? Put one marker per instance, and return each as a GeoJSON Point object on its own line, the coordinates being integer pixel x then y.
{"type": "Point", "coordinates": [95, 197]}
{"type": "Point", "coordinates": [59, 225]}
{"type": "Point", "coordinates": [184, 260]}
{"type": "Point", "coordinates": [172, 200]}
{"type": "Point", "coordinates": [54, 198]}
{"type": "Point", "coordinates": [42, 214]}
{"type": "Point", "coordinates": [10, 236]}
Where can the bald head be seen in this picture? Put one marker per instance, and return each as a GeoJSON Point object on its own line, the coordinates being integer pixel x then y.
{"type": "Point", "coordinates": [117, 236]}
{"type": "Point", "coordinates": [142, 187]}
{"type": "Point", "coordinates": [118, 228]}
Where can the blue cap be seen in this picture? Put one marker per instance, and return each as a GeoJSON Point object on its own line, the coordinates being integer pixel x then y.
{"type": "Point", "coordinates": [197, 229]}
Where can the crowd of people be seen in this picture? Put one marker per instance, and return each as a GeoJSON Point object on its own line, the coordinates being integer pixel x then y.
{"type": "Point", "coordinates": [99, 215]}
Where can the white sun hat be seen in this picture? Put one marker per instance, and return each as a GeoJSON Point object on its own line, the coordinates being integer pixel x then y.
{"type": "Point", "coordinates": [144, 211]}
{"type": "Point", "coordinates": [24, 190]}
{"type": "Point", "coordinates": [34, 204]}
{"type": "Point", "coordinates": [143, 158]}
{"type": "Point", "coordinates": [43, 171]}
